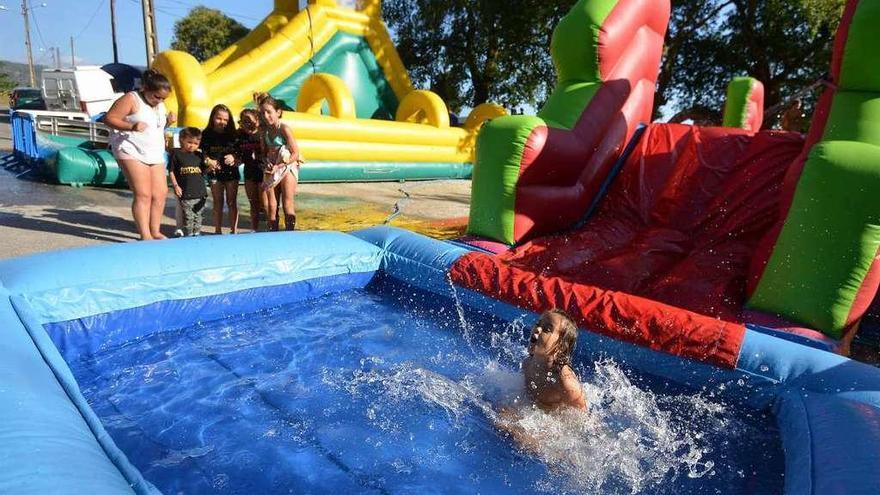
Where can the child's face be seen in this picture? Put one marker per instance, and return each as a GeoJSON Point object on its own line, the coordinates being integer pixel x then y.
{"type": "Point", "coordinates": [190, 144]}
{"type": "Point", "coordinates": [270, 115]}
{"type": "Point", "coordinates": [545, 335]}
{"type": "Point", "coordinates": [249, 123]}
{"type": "Point", "coordinates": [221, 118]}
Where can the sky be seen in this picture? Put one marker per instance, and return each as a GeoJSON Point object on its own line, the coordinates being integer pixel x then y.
{"type": "Point", "coordinates": [88, 21]}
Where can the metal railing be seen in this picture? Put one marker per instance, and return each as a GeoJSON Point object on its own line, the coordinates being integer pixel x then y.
{"type": "Point", "coordinates": [27, 124]}
{"type": "Point", "coordinates": [95, 132]}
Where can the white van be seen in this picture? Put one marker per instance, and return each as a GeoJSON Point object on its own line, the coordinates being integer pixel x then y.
{"type": "Point", "coordinates": [86, 89]}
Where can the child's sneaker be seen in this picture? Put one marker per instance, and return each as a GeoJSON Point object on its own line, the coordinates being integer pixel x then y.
{"type": "Point", "coordinates": [178, 233]}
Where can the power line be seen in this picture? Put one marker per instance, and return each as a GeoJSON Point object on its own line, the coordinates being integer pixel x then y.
{"type": "Point", "coordinates": [160, 9]}
{"type": "Point", "coordinates": [37, 26]}
{"type": "Point", "coordinates": [191, 6]}
{"type": "Point", "coordinates": [94, 14]}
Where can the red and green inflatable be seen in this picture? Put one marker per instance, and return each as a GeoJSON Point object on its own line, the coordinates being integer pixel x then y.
{"type": "Point", "coordinates": [537, 174]}
{"type": "Point", "coordinates": [819, 265]}
{"type": "Point", "coordinates": [705, 230]}
{"type": "Point", "coordinates": [744, 106]}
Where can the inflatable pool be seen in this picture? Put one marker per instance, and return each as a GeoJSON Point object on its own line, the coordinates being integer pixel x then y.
{"type": "Point", "coordinates": [712, 271]}
{"type": "Point", "coordinates": [821, 409]}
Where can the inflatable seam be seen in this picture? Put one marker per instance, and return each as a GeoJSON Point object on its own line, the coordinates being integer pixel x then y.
{"type": "Point", "coordinates": [87, 292]}
{"type": "Point", "coordinates": [793, 399]}
{"type": "Point", "coordinates": [130, 474]}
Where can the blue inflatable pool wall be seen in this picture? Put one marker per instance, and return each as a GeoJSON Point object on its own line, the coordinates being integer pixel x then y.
{"type": "Point", "coordinates": [827, 407]}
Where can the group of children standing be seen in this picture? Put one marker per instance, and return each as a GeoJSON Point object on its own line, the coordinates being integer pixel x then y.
{"type": "Point", "coordinates": [262, 143]}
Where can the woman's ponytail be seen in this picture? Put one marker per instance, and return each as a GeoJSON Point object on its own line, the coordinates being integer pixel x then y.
{"type": "Point", "coordinates": [153, 80]}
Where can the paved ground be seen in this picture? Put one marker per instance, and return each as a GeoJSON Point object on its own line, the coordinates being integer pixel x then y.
{"type": "Point", "coordinates": [37, 216]}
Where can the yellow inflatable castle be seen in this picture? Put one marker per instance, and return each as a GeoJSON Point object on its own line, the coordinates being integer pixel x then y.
{"type": "Point", "coordinates": [357, 115]}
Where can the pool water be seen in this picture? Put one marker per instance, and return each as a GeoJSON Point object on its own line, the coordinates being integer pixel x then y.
{"type": "Point", "coordinates": [385, 390]}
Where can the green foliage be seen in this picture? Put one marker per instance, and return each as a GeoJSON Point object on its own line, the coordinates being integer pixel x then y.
{"type": "Point", "coordinates": [785, 44]}
{"type": "Point", "coordinates": [205, 32]}
{"type": "Point", "coordinates": [6, 84]}
{"type": "Point", "coordinates": [473, 51]}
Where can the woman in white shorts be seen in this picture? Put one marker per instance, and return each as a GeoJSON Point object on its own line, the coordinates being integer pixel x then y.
{"type": "Point", "coordinates": [138, 122]}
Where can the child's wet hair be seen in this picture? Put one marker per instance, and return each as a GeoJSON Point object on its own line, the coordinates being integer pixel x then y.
{"type": "Point", "coordinates": [567, 339]}
{"type": "Point", "coordinates": [230, 124]}
{"type": "Point", "coordinates": [190, 133]}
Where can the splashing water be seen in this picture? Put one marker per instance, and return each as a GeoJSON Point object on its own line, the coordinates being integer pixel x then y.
{"type": "Point", "coordinates": [631, 440]}
{"type": "Point", "coordinates": [367, 392]}
{"type": "Point", "coordinates": [466, 328]}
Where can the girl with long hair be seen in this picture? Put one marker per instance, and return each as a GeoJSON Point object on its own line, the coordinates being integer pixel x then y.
{"type": "Point", "coordinates": [283, 161]}
{"type": "Point", "coordinates": [218, 146]}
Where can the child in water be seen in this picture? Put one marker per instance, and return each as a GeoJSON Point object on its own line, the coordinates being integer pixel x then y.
{"type": "Point", "coordinates": [551, 383]}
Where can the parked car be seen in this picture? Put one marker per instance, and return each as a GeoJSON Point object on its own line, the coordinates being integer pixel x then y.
{"type": "Point", "coordinates": [26, 99]}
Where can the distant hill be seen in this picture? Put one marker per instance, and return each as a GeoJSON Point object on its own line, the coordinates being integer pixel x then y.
{"type": "Point", "coordinates": [17, 73]}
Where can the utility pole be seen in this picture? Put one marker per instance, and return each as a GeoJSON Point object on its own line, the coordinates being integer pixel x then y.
{"type": "Point", "coordinates": [54, 50]}
{"type": "Point", "coordinates": [27, 43]}
{"type": "Point", "coordinates": [72, 53]}
{"type": "Point", "coordinates": [150, 36]}
{"type": "Point", "coordinates": [113, 30]}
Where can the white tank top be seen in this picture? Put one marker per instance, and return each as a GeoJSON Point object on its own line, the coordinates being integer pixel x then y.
{"type": "Point", "coordinates": [148, 145]}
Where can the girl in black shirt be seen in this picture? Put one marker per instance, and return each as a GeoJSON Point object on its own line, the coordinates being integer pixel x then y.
{"type": "Point", "coordinates": [218, 146]}
{"type": "Point", "coordinates": [248, 150]}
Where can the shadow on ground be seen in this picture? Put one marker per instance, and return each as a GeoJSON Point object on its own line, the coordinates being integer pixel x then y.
{"type": "Point", "coordinates": [75, 223]}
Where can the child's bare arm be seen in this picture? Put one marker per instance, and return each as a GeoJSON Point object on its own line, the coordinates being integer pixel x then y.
{"type": "Point", "coordinates": [573, 392]}
{"type": "Point", "coordinates": [178, 191]}
{"type": "Point", "coordinates": [292, 145]}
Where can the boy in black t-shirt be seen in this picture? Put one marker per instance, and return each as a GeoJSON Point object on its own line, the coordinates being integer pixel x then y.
{"type": "Point", "coordinates": [187, 177]}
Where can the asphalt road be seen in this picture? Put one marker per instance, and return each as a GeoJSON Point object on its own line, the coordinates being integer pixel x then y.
{"type": "Point", "coordinates": [38, 216]}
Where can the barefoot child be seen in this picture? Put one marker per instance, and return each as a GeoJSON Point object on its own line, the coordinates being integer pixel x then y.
{"type": "Point", "coordinates": [187, 169]}
{"type": "Point", "coordinates": [248, 150]}
{"type": "Point", "coordinates": [218, 145]}
{"type": "Point", "coordinates": [282, 163]}
{"type": "Point", "coordinates": [551, 383]}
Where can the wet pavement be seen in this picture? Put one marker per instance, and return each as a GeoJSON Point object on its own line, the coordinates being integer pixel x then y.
{"type": "Point", "coordinates": [37, 216]}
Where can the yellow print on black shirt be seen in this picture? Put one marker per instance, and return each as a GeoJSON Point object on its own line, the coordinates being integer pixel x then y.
{"type": "Point", "coordinates": [190, 170]}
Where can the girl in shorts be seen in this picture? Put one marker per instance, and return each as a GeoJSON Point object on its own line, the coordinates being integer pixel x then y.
{"type": "Point", "coordinates": [138, 121]}
{"type": "Point", "coordinates": [282, 163]}
{"type": "Point", "coordinates": [218, 146]}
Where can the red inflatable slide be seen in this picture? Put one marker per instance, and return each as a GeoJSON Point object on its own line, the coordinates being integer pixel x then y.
{"type": "Point", "coordinates": [668, 249]}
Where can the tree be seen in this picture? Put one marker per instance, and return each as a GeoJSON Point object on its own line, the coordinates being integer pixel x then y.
{"type": "Point", "coordinates": [473, 51]}
{"type": "Point", "coordinates": [6, 84]}
{"type": "Point", "coordinates": [786, 44]}
{"type": "Point", "coordinates": [205, 32]}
